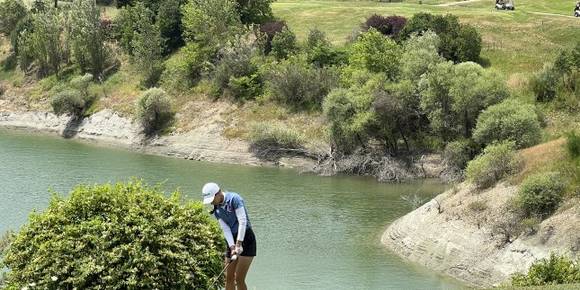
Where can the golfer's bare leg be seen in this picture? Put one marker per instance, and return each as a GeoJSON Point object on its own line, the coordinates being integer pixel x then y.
{"type": "Point", "coordinates": [231, 275]}
{"type": "Point", "coordinates": [241, 271]}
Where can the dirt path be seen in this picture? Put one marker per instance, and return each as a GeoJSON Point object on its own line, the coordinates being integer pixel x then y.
{"type": "Point", "coordinates": [457, 3]}
{"type": "Point", "coordinates": [553, 14]}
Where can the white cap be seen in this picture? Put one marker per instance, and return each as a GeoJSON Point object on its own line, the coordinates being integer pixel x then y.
{"type": "Point", "coordinates": [209, 191]}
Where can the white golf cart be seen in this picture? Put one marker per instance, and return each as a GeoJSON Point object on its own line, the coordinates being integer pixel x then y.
{"type": "Point", "coordinates": [504, 5]}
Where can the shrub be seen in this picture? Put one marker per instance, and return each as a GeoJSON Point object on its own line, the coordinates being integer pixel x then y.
{"type": "Point", "coordinates": [75, 99]}
{"type": "Point", "coordinates": [237, 74]}
{"type": "Point", "coordinates": [87, 37]}
{"type": "Point", "coordinates": [469, 44]}
{"type": "Point", "coordinates": [269, 30]}
{"type": "Point", "coordinates": [555, 270]}
{"type": "Point", "coordinates": [496, 162]}
{"type": "Point", "coordinates": [11, 12]}
{"type": "Point", "coordinates": [178, 74]}
{"type": "Point", "coordinates": [389, 26]}
{"type": "Point", "coordinates": [274, 136]}
{"type": "Point", "coordinates": [116, 236]}
{"type": "Point", "coordinates": [458, 153]}
{"type": "Point", "coordinates": [540, 194]}
{"type": "Point", "coordinates": [509, 120]}
{"type": "Point", "coordinates": [544, 84]}
{"type": "Point", "coordinates": [573, 144]}
{"type": "Point", "coordinates": [295, 83]}
{"type": "Point", "coordinates": [320, 51]}
{"type": "Point", "coordinates": [437, 102]}
{"type": "Point", "coordinates": [210, 23]}
{"type": "Point", "coordinates": [154, 110]}
{"type": "Point", "coordinates": [284, 44]}
{"type": "Point", "coordinates": [376, 53]}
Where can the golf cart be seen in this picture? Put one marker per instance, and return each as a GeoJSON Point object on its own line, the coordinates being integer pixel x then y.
{"type": "Point", "coordinates": [577, 10]}
{"type": "Point", "coordinates": [504, 5]}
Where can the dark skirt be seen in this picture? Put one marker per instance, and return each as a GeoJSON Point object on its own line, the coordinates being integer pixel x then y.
{"type": "Point", "coordinates": [248, 245]}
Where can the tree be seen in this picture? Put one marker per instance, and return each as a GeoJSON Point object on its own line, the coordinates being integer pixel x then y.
{"type": "Point", "coordinates": [11, 11]}
{"type": "Point", "coordinates": [320, 52]}
{"type": "Point", "coordinates": [116, 236]}
{"type": "Point", "coordinates": [389, 26]}
{"type": "Point", "coordinates": [255, 11]}
{"type": "Point", "coordinates": [169, 22]}
{"type": "Point", "coordinates": [420, 56]}
{"type": "Point", "coordinates": [148, 51]}
{"type": "Point", "coordinates": [87, 37]}
{"type": "Point", "coordinates": [211, 23]}
{"type": "Point", "coordinates": [437, 102]}
{"type": "Point", "coordinates": [376, 53]}
{"type": "Point", "coordinates": [75, 99]}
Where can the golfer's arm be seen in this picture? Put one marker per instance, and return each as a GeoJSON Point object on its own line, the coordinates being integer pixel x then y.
{"type": "Point", "coordinates": [242, 222]}
{"type": "Point", "coordinates": [227, 232]}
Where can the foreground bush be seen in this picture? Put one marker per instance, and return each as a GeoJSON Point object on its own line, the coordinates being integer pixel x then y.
{"type": "Point", "coordinates": [555, 270]}
{"type": "Point", "coordinates": [509, 120]}
{"type": "Point", "coordinates": [154, 110]}
{"type": "Point", "coordinates": [122, 236]}
{"type": "Point", "coordinates": [496, 162]}
{"type": "Point", "coordinates": [541, 194]}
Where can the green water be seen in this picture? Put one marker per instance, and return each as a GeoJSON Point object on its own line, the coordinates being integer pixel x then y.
{"type": "Point", "coordinates": [312, 232]}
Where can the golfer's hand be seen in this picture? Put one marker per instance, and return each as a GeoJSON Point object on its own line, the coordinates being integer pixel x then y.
{"type": "Point", "coordinates": [238, 249]}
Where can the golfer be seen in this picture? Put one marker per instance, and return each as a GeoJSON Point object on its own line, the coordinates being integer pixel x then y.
{"type": "Point", "coordinates": [231, 213]}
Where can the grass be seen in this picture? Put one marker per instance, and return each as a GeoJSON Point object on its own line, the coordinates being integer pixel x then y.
{"type": "Point", "coordinates": [515, 43]}
{"type": "Point", "coordinates": [547, 287]}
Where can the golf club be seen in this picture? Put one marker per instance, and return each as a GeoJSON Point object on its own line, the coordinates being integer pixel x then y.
{"type": "Point", "coordinates": [233, 258]}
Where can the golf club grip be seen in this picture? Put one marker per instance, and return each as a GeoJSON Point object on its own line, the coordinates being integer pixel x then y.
{"type": "Point", "coordinates": [234, 257]}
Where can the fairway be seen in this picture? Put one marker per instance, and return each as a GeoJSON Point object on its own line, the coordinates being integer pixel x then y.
{"type": "Point", "coordinates": [516, 43]}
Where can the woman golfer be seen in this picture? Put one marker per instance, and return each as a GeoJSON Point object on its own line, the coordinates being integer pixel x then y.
{"type": "Point", "coordinates": [230, 211]}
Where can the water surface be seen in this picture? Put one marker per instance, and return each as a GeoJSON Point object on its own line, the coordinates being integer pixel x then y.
{"type": "Point", "coordinates": [313, 232]}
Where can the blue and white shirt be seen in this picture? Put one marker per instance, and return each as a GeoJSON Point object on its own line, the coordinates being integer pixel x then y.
{"type": "Point", "coordinates": [233, 217]}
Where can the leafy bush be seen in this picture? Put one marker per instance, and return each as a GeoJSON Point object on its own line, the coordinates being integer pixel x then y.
{"type": "Point", "coordinates": [237, 73]}
{"type": "Point", "coordinates": [544, 83]}
{"type": "Point", "coordinates": [496, 162]}
{"type": "Point", "coordinates": [284, 44]}
{"type": "Point", "coordinates": [458, 153]}
{"type": "Point", "coordinates": [154, 110]}
{"type": "Point", "coordinates": [573, 144]}
{"type": "Point", "coordinates": [376, 53]}
{"type": "Point", "coordinates": [116, 236]}
{"type": "Point", "coordinates": [11, 12]}
{"type": "Point", "coordinates": [469, 44]}
{"type": "Point", "coordinates": [540, 194]}
{"type": "Point", "coordinates": [74, 100]}
{"type": "Point", "coordinates": [437, 102]}
{"type": "Point", "coordinates": [320, 51]}
{"type": "Point", "coordinates": [274, 136]}
{"type": "Point", "coordinates": [295, 83]}
{"type": "Point", "coordinates": [555, 270]}
{"type": "Point", "coordinates": [178, 74]}
{"type": "Point", "coordinates": [509, 120]}
{"type": "Point", "coordinates": [389, 26]}
{"type": "Point", "coordinates": [87, 37]}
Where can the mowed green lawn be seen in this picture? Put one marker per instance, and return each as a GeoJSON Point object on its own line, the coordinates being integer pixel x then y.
{"type": "Point", "coordinates": [516, 43]}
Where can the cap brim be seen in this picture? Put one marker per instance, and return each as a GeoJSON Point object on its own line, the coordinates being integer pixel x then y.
{"type": "Point", "coordinates": [208, 200]}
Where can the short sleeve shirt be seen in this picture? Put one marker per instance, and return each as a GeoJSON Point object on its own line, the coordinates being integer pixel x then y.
{"type": "Point", "coordinates": [227, 211]}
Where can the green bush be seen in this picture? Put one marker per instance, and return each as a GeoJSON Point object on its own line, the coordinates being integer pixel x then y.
{"type": "Point", "coordinates": [541, 194]}
{"type": "Point", "coordinates": [284, 44]}
{"type": "Point", "coordinates": [496, 162]}
{"type": "Point", "coordinates": [295, 83]}
{"type": "Point", "coordinates": [458, 153]}
{"type": "Point", "coordinates": [420, 56]}
{"type": "Point", "coordinates": [509, 120]}
{"type": "Point", "coordinates": [469, 44]}
{"type": "Point", "coordinates": [573, 144]}
{"type": "Point", "coordinates": [147, 48]}
{"type": "Point", "coordinates": [555, 270]}
{"type": "Point", "coordinates": [75, 99]}
{"type": "Point", "coordinates": [255, 11]}
{"type": "Point", "coordinates": [169, 22]}
{"type": "Point", "coordinates": [154, 110]}
{"type": "Point", "coordinates": [544, 83]}
{"type": "Point", "coordinates": [376, 53]}
{"type": "Point", "coordinates": [268, 136]}
{"type": "Point", "coordinates": [320, 52]}
{"type": "Point", "coordinates": [122, 236]}
{"type": "Point", "coordinates": [237, 73]}
{"type": "Point", "coordinates": [11, 12]}
{"type": "Point", "coordinates": [210, 23]}
{"type": "Point", "coordinates": [178, 74]}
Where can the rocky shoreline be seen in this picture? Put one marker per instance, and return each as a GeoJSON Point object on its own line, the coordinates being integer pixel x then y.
{"type": "Point", "coordinates": [106, 127]}
{"type": "Point", "coordinates": [451, 236]}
